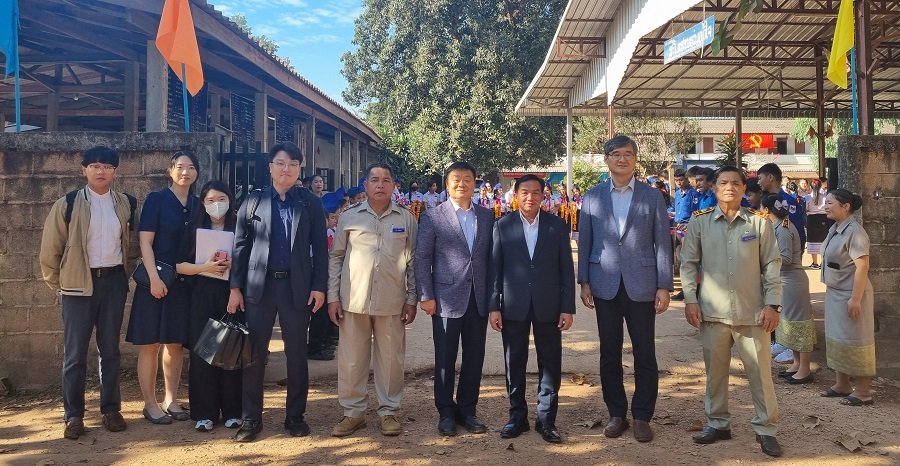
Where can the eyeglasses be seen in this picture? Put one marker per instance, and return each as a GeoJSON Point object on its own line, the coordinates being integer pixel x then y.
{"type": "Point", "coordinates": [284, 166]}
{"type": "Point", "coordinates": [101, 167]}
{"type": "Point", "coordinates": [621, 156]}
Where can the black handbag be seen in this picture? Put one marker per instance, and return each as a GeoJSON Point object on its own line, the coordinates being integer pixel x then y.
{"type": "Point", "coordinates": [165, 271]}
{"type": "Point", "coordinates": [225, 343]}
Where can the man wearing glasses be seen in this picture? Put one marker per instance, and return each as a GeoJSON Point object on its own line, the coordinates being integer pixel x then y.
{"type": "Point", "coordinates": [280, 268]}
{"type": "Point", "coordinates": [84, 252]}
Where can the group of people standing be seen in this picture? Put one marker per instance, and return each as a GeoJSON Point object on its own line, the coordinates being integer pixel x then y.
{"type": "Point", "coordinates": [467, 270]}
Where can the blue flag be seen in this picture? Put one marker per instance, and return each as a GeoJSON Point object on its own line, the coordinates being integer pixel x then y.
{"type": "Point", "coordinates": [9, 34]}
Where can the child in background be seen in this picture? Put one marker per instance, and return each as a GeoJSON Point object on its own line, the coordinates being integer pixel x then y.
{"type": "Point", "coordinates": [331, 224]}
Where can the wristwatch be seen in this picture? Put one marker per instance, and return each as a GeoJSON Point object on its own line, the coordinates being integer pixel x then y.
{"type": "Point", "coordinates": [777, 307]}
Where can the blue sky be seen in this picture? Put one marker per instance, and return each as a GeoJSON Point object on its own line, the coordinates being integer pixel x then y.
{"type": "Point", "coordinates": [313, 34]}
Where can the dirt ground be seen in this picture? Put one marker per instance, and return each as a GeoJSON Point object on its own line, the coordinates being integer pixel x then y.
{"type": "Point", "coordinates": [31, 427]}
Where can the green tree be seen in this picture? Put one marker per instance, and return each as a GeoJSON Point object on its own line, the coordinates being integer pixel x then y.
{"type": "Point", "coordinates": [585, 175]}
{"type": "Point", "coordinates": [805, 130]}
{"type": "Point", "coordinates": [439, 80]}
{"type": "Point", "coordinates": [659, 138]}
{"type": "Point", "coordinates": [727, 148]}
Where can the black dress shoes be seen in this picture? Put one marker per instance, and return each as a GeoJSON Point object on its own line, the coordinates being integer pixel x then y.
{"type": "Point", "coordinates": [615, 427]}
{"type": "Point", "coordinates": [769, 445]}
{"type": "Point", "coordinates": [447, 426]}
{"type": "Point", "coordinates": [248, 431]}
{"type": "Point", "coordinates": [548, 432]}
{"type": "Point", "coordinates": [710, 435]}
{"type": "Point", "coordinates": [296, 426]}
{"type": "Point", "coordinates": [472, 424]}
{"type": "Point", "coordinates": [514, 428]}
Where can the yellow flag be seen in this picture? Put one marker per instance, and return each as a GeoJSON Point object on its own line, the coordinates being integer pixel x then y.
{"type": "Point", "coordinates": [843, 42]}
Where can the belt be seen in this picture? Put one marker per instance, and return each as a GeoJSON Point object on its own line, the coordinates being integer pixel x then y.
{"type": "Point", "coordinates": [101, 272]}
{"type": "Point", "coordinates": [279, 275]}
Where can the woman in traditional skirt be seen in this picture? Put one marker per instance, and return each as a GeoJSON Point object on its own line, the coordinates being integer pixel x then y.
{"type": "Point", "coordinates": [817, 223]}
{"type": "Point", "coordinates": [797, 330]}
{"type": "Point", "coordinates": [849, 301]}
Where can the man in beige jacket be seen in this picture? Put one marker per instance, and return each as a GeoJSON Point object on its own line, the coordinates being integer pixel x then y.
{"type": "Point", "coordinates": [84, 253]}
{"type": "Point", "coordinates": [372, 297]}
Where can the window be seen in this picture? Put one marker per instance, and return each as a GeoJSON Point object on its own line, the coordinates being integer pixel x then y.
{"type": "Point", "coordinates": [799, 147]}
{"type": "Point", "coordinates": [781, 144]}
{"type": "Point", "coordinates": [708, 146]}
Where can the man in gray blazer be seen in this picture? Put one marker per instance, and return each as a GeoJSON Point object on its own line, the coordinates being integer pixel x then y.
{"type": "Point", "coordinates": [625, 270]}
{"type": "Point", "coordinates": [452, 265]}
{"type": "Point", "coordinates": [280, 267]}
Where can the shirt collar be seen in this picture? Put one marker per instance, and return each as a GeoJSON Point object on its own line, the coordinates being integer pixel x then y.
{"type": "Point", "coordinates": [742, 213]}
{"type": "Point", "coordinates": [537, 219]}
{"type": "Point", "coordinates": [842, 226]}
{"type": "Point", "coordinates": [364, 206]}
{"type": "Point", "coordinates": [612, 186]}
{"type": "Point", "coordinates": [277, 197]}
{"type": "Point", "coordinates": [96, 195]}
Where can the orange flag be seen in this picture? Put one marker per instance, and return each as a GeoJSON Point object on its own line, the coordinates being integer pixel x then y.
{"type": "Point", "coordinates": [177, 43]}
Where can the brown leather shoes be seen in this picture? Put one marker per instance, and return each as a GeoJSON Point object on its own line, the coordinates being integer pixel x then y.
{"type": "Point", "coordinates": [615, 427]}
{"type": "Point", "coordinates": [114, 422]}
{"type": "Point", "coordinates": [74, 428]}
{"type": "Point", "coordinates": [642, 431]}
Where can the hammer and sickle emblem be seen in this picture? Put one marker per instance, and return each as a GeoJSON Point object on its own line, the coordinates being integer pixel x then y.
{"type": "Point", "coordinates": [755, 141]}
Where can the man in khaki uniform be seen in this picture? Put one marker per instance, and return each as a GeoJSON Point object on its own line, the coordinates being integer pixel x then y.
{"type": "Point", "coordinates": [372, 293]}
{"type": "Point", "coordinates": [739, 304]}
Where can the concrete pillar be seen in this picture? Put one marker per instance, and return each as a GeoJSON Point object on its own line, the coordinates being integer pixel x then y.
{"type": "Point", "coordinates": [311, 146]}
{"type": "Point", "coordinates": [215, 108]}
{"type": "Point", "coordinates": [261, 115]}
{"type": "Point", "coordinates": [358, 172]}
{"type": "Point", "coordinates": [53, 100]}
{"type": "Point", "coordinates": [157, 93]}
{"type": "Point", "coordinates": [339, 152]}
{"type": "Point", "coordinates": [610, 122]}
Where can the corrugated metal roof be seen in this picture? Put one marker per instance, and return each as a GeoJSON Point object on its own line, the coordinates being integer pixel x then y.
{"type": "Point", "coordinates": [770, 66]}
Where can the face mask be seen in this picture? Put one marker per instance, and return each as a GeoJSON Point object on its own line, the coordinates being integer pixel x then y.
{"type": "Point", "coordinates": [217, 209]}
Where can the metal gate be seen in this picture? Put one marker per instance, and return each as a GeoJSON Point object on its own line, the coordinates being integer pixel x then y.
{"type": "Point", "coordinates": [244, 170]}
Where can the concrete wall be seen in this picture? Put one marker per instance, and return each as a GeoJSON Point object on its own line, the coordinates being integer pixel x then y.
{"type": "Point", "coordinates": [868, 165]}
{"type": "Point", "coordinates": [35, 170]}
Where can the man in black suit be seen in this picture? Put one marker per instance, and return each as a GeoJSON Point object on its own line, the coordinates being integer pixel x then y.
{"type": "Point", "coordinates": [280, 267]}
{"type": "Point", "coordinates": [534, 288]}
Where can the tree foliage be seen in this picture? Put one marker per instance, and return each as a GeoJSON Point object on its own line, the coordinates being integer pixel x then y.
{"type": "Point", "coordinates": [585, 175]}
{"type": "Point", "coordinates": [659, 138]}
{"type": "Point", "coordinates": [727, 148]}
{"type": "Point", "coordinates": [439, 80]}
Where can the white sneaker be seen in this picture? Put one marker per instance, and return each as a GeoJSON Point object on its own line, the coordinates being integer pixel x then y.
{"type": "Point", "coordinates": [204, 425]}
{"type": "Point", "coordinates": [233, 423]}
{"type": "Point", "coordinates": [778, 348]}
{"type": "Point", "coordinates": [786, 357]}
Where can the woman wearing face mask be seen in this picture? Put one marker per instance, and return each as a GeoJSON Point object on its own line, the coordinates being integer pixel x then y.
{"type": "Point", "coordinates": [214, 393]}
{"type": "Point", "coordinates": [159, 315]}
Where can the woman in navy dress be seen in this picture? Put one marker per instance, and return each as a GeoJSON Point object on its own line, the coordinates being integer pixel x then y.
{"type": "Point", "coordinates": [160, 315]}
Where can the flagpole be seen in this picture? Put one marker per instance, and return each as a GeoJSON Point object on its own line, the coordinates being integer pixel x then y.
{"type": "Point", "coordinates": [854, 93]}
{"type": "Point", "coordinates": [184, 100]}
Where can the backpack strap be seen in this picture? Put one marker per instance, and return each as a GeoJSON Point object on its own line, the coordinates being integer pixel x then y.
{"type": "Point", "coordinates": [132, 203]}
{"type": "Point", "coordinates": [70, 204]}
{"type": "Point", "coordinates": [253, 199]}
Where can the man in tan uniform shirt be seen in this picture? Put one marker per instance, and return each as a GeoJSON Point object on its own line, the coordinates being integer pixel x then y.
{"type": "Point", "coordinates": [372, 293]}
{"type": "Point", "coordinates": [739, 305]}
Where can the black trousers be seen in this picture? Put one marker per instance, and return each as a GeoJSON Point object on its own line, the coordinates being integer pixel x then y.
{"type": "Point", "coordinates": [548, 343]}
{"type": "Point", "coordinates": [214, 393]}
{"type": "Point", "coordinates": [81, 315]}
{"type": "Point", "coordinates": [471, 329]}
{"type": "Point", "coordinates": [640, 318]}
{"type": "Point", "coordinates": [277, 301]}
{"type": "Point", "coordinates": [319, 330]}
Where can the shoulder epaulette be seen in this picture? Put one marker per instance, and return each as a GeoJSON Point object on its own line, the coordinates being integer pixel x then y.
{"type": "Point", "coordinates": [705, 211]}
{"type": "Point", "coordinates": [758, 213]}
{"type": "Point", "coordinates": [354, 205]}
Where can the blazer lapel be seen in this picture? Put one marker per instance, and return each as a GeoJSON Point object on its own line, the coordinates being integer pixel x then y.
{"type": "Point", "coordinates": [453, 221]}
{"type": "Point", "coordinates": [636, 197]}
{"type": "Point", "coordinates": [543, 231]}
{"type": "Point", "coordinates": [517, 234]}
{"type": "Point", "coordinates": [299, 204]}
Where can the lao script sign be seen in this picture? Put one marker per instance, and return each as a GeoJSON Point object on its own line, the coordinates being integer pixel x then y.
{"type": "Point", "coordinates": [698, 36]}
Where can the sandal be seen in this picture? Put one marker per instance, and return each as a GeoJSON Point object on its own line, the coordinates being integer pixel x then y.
{"type": "Point", "coordinates": [177, 415]}
{"type": "Point", "coordinates": [854, 401]}
{"type": "Point", "coordinates": [831, 393]}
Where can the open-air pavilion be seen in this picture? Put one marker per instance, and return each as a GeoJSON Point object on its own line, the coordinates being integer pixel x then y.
{"type": "Point", "coordinates": [607, 57]}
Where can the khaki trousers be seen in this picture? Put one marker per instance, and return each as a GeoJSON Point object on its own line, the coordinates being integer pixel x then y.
{"type": "Point", "coordinates": [358, 334]}
{"type": "Point", "coordinates": [752, 343]}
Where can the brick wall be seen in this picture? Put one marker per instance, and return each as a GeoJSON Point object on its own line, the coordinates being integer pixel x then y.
{"type": "Point", "coordinates": [868, 165]}
{"type": "Point", "coordinates": [36, 170]}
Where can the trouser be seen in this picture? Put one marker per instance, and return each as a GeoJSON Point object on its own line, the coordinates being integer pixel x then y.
{"type": "Point", "coordinates": [277, 301]}
{"type": "Point", "coordinates": [752, 343]}
{"type": "Point", "coordinates": [359, 333]}
{"type": "Point", "coordinates": [548, 344]}
{"type": "Point", "coordinates": [81, 315]}
{"type": "Point", "coordinates": [640, 318]}
{"type": "Point", "coordinates": [471, 328]}
{"type": "Point", "coordinates": [319, 331]}
{"type": "Point", "coordinates": [212, 391]}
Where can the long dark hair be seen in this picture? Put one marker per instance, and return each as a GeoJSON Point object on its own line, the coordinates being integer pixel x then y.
{"type": "Point", "coordinates": [200, 218]}
{"type": "Point", "coordinates": [816, 188]}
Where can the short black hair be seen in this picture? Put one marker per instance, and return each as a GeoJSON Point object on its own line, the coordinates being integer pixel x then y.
{"type": "Point", "coordinates": [772, 202]}
{"type": "Point", "coordinates": [177, 155]}
{"type": "Point", "coordinates": [679, 173]}
{"type": "Point", "coordinates": [730, 168]}
{"type": "Point", "coordinates": [770, 169]}
{"type": "Point", "coordinates": [100, 154]}
{"type": "Point", "coordinates": [753, 185]}
{"type": "Point", "coordinates": [846, 197]}
{"type": "Point", "coordinates": [289, 148]}
{"type": "Point", "coordinates": [528, 177]}
{"type": "Point", "coordinates": [618, 141]}
{"type": "Point", "coordinates": [459, 166]}
{"type": "Point", "coordinates": [375, 165]}
{"type": "Point", "coordinates": [692, 171]}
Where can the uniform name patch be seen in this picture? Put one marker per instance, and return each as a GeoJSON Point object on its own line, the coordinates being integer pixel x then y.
{"type": "Point", "coordinates": [748, 237]}
{"type": "Point", "coordinates": [398, 230]}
